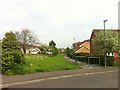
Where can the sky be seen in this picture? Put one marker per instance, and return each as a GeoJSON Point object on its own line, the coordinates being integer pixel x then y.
{"type": "Point", "coordinates": [58, 20]}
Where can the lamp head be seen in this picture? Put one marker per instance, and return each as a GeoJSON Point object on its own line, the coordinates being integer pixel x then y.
{"type": "Point", "coordinates": [105, 20]}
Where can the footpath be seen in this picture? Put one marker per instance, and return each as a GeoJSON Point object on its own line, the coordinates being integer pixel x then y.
{"type": "Point", "coordinates": [34, 76]}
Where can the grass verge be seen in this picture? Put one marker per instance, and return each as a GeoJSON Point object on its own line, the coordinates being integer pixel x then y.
{"type": "Point", "coordinates": [40, 63]}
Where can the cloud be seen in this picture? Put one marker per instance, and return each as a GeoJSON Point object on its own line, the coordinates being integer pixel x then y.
{"type": "Point", "coordinates": [60, 20]}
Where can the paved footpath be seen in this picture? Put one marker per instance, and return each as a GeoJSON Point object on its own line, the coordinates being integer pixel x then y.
{"type": "Point", "coordinates": [35, 76]}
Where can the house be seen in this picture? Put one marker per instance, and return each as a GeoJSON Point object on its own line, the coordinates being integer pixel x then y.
{"type": "Point", "coordinates": [61, 51]}
{"type": "Point", "coordinates": [83, 47]}
{"type": "Point", "coordinates": [94, 34]}
{"type": "Point", "coordinates": [31, 49]}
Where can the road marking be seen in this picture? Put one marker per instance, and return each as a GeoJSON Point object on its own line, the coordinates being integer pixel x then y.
{"type": "Point", "coordinates": [53, 78]}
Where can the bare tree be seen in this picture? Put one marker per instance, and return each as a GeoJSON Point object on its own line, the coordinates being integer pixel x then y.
{"type": "Point", "coordinates": [26, 37]}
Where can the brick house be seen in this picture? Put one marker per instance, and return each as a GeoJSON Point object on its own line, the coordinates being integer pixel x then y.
{"type": "Point", "coordinates": [94, 34]}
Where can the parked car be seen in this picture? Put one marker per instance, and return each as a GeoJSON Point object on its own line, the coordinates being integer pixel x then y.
{"type": "Point", "coordinates": [49, 52]}
{"type": "Point", "coordinates": [35, 51]}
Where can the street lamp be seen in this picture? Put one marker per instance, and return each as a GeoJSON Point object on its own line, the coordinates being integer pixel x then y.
{"type": "Point", "coordinates": [74, 50]}
{"type": "Point", "coordinates": [105, 43]}
{"type": "Point", "coordinates": [74, 46]}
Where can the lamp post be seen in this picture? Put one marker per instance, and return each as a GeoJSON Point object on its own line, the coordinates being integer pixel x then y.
{"type": "Point", "coordinates": [74, 46]}
{"type": "Point", "coordinates": [74, 50]}
{"type": "Point", "coordinates": [105, 43]}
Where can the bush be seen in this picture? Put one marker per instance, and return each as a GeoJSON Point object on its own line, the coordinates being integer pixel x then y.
{"type": "Point", "coordinates": [69, 52]}
{"type": "Point", "coordinates": [54, 50]}
{"type": "Point", "coordinates": [11, 53]}
{"type": "Point", "coordinates": [117, 63]}
{"type": "Point", "coordinates": [85, 60]}
{"type": "Point", "coordinates": [109, 60]}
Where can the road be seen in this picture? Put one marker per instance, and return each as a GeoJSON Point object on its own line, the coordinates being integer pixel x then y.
{"type": "Point", "coordinates": [93, 80]}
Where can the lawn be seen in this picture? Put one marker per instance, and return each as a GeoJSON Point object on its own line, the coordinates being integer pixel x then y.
{"type": "Point", "coordinates": [40, 63]}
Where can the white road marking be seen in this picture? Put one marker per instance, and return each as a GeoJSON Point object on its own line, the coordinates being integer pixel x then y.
{"type": "Point", "coordinates": [53, 78]}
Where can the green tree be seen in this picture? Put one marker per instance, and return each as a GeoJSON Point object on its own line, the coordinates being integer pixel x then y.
{"type": "Point", "coordinates": [52, 46]}
{"type": "Point", "coordinates": [11, 53]}
{"type": "Point", "coordinates": [52, 43]}
{"type": "Point", "coordinates": [111, 40]}
{"type": "Point", "coordinates": [54, 50]}
{"type": "Point", "coordinates": [68, 52]}
{"type": "Point", "coordinates": [44, 48]}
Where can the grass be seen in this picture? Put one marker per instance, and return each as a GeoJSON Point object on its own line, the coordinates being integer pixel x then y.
{"type": "Point", "coordinates": [40, 63]}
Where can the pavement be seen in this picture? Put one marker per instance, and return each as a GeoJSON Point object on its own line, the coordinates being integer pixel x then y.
{"type": "Point", "coordinates": [41, 75]}
{"type": "Point", "coordinates": [92, 80]}
{"type": "Point", "coordinates": [35, 77]}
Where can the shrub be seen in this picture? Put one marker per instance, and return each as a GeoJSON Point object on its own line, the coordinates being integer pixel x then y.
{"type": "Point", "coordinates": [54, 50]}
{"type": "Point", "coordinates": [11, 53]}
{"type": "Point", "coordinates": [69, 52]}
{"type": "Point", "coordinates": [117, 63]}
{"type": "Point", "coordinates": [109, 60]}
{"type": "Point", "coordinates": [39, 70]}
{"type": "Point", "coordinates": [85, 59]}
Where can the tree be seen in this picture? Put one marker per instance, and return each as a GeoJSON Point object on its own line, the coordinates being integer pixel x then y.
{"type": "Point", "coordinates": [52, 45]}
{"type": "Point", "coordinates": [69, 52]}
{"type": "Point", "coordinates": [26, 37]}
{"type": "Point", "coordinates": [44, 48]}
{"type": "Point", "coordinates": [11, 52]}
{"type": "Point", "coordinates": [111, 42]}
{"type": "Point", "coordinates": [54, 50]}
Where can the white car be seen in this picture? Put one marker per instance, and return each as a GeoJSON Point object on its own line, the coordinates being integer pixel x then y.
{"type": "Point", "coordinates": [34, 51]}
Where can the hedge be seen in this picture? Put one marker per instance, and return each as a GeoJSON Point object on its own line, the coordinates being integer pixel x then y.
{"type": "Point", "coordinates": [109, 60]}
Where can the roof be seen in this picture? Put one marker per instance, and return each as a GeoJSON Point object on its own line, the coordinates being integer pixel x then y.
{"type": "Point", "coordinates": [33, 46]}
{"type": "Point", "coordinates": [84, 41]}
{"type": "Point", "coordinates": [83, 50]}
{"type": "Point", "coordinates": [95, 31]}
{"type": "Point", "coordinates": [84, 47]}
{"type": "Point", "coordinates": [79, 43]}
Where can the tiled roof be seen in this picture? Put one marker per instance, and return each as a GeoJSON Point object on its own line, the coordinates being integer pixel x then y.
{"type": "Point", "coordinates": [84, 47]}
{"type": "Point", "coordinates": [83, 50]}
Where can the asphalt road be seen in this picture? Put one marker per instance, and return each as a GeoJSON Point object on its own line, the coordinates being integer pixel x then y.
{"type": "Point", "coordinates": [101, 80]}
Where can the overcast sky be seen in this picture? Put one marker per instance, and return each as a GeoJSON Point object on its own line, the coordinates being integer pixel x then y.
{"type": "Point", "coordinates": [58, 20]}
